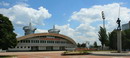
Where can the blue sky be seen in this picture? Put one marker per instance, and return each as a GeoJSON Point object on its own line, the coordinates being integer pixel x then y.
{"type": "Point", "coordinates": [78, 19]}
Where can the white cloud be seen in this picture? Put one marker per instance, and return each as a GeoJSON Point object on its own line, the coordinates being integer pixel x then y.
{"type": "Point", "coordinates": [22, 14]}
{"type": "Point", "coordinates": [4, 3]}
{"type": "Point", "coordinates": [76, 34]}
{"type": "Point", "coordinates": [87, 31]}
{"type": "Point", "coordinates": [41, 31]}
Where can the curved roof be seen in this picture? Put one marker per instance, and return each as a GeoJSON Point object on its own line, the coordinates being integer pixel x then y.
{"type": "Point", "coordinates": [45, 34]}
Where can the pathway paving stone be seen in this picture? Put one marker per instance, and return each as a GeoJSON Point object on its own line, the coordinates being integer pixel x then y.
{"type": "Point", "coordinates": [54, 54]}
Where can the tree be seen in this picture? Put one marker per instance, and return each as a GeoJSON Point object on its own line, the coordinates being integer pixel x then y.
{"type": "Point", "coordinates": [126, 39]}
{"type": "Point", "coordinates": [78, 45]}
{"type": "Point", "coordinates": [95, 44]}
{"type": "Point", "coordinates": [7, 36]}
{"type": "Point", "coordinates": [103, 36]}
{"type": "Point", "coordinates": [113, 40]}
{"type": "Point", "coordinates": [83, 45]}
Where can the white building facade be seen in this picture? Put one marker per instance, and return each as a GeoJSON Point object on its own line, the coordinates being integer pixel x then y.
{"type": "Point", "coordinates": [126, 26]}
{"type": "Point", "coordinates": [43, 41]}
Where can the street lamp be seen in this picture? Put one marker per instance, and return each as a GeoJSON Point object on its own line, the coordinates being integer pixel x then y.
{"type": "Point", "coordinates": [103, 17]}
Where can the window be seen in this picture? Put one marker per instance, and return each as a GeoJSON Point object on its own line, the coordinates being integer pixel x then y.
{"type": "Point", "coordinates": [17, 46]}
{"type": "Point", "coordinates": [57, 41]}
{"type": "Point", "coordinates": [37, 41]}
{"type": "Point", "coordinates": [50, 37]}
{"type": "Point", "coordinates": [42, 41]}
{"type": "Point", "coordinates": [34, 41]}
{"type": "Point", "coordinates": [31, 41]}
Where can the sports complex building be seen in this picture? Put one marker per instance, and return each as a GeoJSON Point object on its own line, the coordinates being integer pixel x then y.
{"type": "Point", "coordinates": [43, 41]}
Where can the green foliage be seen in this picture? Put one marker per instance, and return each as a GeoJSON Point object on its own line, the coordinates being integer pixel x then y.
{"type": "Point", "coordinates": [103, 36]}
{"type": "Point", "coordinates": [126, 39]}
{"type": "Point", "coordinates": [83, 45]}
{"type": "Point", "coordinates": [113, 40]}
{"type": "Point", "coordinates": [78, 45]}
{"type": "Point", "coordinates": [7, 36]}
{"type": "Point", "coordinates": [95, 45]}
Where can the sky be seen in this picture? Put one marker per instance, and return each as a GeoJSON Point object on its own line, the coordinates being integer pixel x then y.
{"type": "Point", "coordinates": [78, 19]}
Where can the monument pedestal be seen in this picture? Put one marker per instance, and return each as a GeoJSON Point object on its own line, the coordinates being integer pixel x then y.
{"type": "Point", "coordinates": [119, 44]}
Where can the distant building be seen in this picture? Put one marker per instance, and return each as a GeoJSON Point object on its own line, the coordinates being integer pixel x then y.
{"type": "Point", "coordinates": [43, 41]}
{"type": "Point", "coordinates": [29, 29]}
{"type": "Point", "coordinates": [126, 26]}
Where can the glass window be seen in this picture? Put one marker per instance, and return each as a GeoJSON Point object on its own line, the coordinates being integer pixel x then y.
{"type": "Point", "coordinates": [37, 41]}
{"type": "Point", "coordinates": [57, 41]}
{"type": "Point", "coordinates": [31, 41]}
{"type": "Point", "coordinates": [42, 41]}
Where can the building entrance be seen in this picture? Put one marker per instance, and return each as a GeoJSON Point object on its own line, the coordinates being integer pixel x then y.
{"type": "Point", "coordinates": [49, 48]}
{"type": "Point", "coordinates": [34, 48]}
{"type": "Point", "coordinates": [62, 47]}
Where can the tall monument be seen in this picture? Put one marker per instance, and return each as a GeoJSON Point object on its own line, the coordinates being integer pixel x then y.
{"type": "Point", "coordinates": [29, 29]}
{"type": "Point", "coordinates": [119, 43]}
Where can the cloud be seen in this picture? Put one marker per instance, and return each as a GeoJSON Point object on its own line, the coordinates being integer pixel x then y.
{"type": "Point", "coordinates": [4, 3]}
{"type": "Point", "coordinates": [80, 34]}
{"type": "Point", "coordinates": [22, 14]}
{"type": "Point", "coordinates": [90, 19]}
{"type": "Point", "coordinates": [41, 31]}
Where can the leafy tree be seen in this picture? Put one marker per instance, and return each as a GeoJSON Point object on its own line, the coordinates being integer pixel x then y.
{"type": "Point", "coordinates": [103, 36]}
{"type": "Point", "coordinates": [113, 40]}
{"type": "Point", "coordinates": [95, 44]}
{"type": "Point", "coordinates": [7, 36]}
{"type": "Point", "coordinates": [78, 45]}
{"type": "Point", "coordinates": [126, 39]}
{"type": "Point", "coordinates": [83, 45]}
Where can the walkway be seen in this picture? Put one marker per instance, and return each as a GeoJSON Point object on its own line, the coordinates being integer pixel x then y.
{"type": "Point", "coordinates": [54, 54]}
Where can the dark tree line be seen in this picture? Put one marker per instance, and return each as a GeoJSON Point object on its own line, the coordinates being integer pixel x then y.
{"type": "Point", "coordinates": [113, 40]}
{"type": "Point", "coordinates": [7, 36]}
{"type": "Point", "coordinates": [125, 39]}
{"type": "Point", "coordinates": [110, 40]}
{"type": "Point", "coordinates": [83, 45]}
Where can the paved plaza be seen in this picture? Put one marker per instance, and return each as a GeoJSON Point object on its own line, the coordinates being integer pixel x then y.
{"type": "Point", "coordinates": [54, 54]}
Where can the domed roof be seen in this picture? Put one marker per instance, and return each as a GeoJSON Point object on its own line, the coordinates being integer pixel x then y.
{"type": "Point", "coordinates": [46, 34]}
{"type": "Point", "coordinates": [29, 27]}
{"type": "Point", "coordinates": [54, 30]}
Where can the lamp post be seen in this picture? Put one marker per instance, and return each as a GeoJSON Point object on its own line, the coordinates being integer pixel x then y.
{"type": "Point", "coordinates": [103, 17]}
